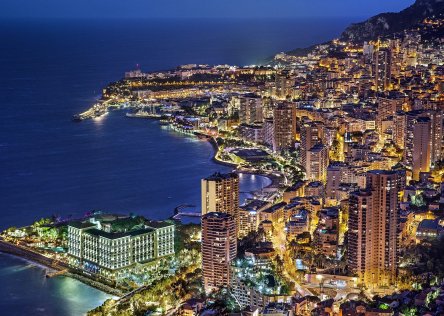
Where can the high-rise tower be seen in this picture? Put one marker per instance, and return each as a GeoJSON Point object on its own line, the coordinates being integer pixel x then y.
{"type": "Point", "coordinates": [219, 248]}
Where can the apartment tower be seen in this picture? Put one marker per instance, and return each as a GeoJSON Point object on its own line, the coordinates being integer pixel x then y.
{"type": "Point", "coordinates": [374, 229]}
{"type": "Point", "coordinates": [220, 193]}
{"type": "Point", "coordinates": [219, 248]}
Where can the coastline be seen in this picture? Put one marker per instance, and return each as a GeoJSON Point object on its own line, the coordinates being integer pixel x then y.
{"type": "Point", "coordinates": [32, 256]}
{"type": "Point", "coordinates": [59, 268]}
{"type": "Point", "coordinates": [215, 146]}
{"type": "Point", "coordinates": [275, 181]}
{"type": "Point", "coordinates": [56, 268]}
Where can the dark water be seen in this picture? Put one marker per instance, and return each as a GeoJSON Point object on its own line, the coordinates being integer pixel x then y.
{"type": "Point", "coordinates": [26, 291]}
{"type": "Point", "coordinates": [50, 165]}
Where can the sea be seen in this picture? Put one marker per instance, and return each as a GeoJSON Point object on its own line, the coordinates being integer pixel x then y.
{"type": "Point", "coordinates": [49, 165]}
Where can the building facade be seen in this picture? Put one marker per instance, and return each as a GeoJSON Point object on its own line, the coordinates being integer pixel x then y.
{"type": "Point", "coordinates": [251, 110]}
{"type": "Point", "coordinates": [382, 64]}
{"type": "Point", "coordinates": [284, 130]}
{"type": "Point", "coordinates": [374, 229]}
{"type": "Point", "coordinates": [421, 147]}
{"type": "Point", "coordinates": [112, 247]}
{"type": "Point", "coordinates": [220, 193]}
{"type": "Point", "coordinates": [219, 248]}
{"type": "Point", "coordinates": [317, 163]}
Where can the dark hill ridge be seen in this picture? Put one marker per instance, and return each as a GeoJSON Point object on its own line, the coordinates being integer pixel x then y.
{"type": "Point", "coordinates": [385, 24]}
{"type": "Point", "coordinates": [388, 23]}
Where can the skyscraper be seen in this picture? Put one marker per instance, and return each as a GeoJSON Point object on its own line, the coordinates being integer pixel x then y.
{"type": "Point", "coordinates": [219, 248]}
{"type": "Point", "coordinates": [317, 163]}
{"type": "Point", "coordinates": [251, 110]}
{"type": "Point", "coordinates": [421, 147]}
{"type": "Point", "coordinates": [283, 84]}
{"type": "Point", "coordinates": [388, 105]}
{"type": "Point", "coordinates": [422, 139]}
{"type": "Point", "coordinates": [400, 128]}
{"type": "Point", "coordinates": [382, 64]}
{"type": "Point", "coordinates": [436, 117]}
{"type": "Point", "coordinates": [409, 123]}
{"type": "Point", "coordinates": [334, 180]}
{"type": "Point", "coordinates": [220, 193]}
{"type": "Point", "coordinates": [360, 203]}
{"type": "Point", "coordinates": [311, 134]}
{"type": "Point", "coordinates": [374, 229]}
{"type": "Point", "coordinates": [284, 130]}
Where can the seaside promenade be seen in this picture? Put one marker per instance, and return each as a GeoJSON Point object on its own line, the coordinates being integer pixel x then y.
{"type": "Point", "coordinates": [54, 267]}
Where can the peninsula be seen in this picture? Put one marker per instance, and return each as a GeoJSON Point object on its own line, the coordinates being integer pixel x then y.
{"type": "Point", "coordinates": [351, 131]}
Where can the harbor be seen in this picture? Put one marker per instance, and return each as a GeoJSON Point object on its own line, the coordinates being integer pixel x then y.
{"type": "Point", "coordinates": [146, 109]}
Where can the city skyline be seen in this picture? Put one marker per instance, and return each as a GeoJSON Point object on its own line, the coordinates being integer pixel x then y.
{"type": "Point", "coordinates": [320, 170]}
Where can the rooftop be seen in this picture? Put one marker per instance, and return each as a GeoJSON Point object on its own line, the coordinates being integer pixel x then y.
{"type": "Point", "coordinates": [117, 235]}
{"type": "Point", "coordinates": [114, 227]}
{"type": "Point", "coordinates": [217, 176]}
{"type": "Point", "coordinates": [217, 215]}
{"type": "Point", "coordinates": [275, 207]}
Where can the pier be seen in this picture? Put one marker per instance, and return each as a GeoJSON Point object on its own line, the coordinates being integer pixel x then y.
{"type": "Point", "coordinates": [184, 210]}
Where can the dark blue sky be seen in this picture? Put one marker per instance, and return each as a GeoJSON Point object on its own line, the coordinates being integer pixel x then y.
{"type": "Point", "coordinates": [196, 8]}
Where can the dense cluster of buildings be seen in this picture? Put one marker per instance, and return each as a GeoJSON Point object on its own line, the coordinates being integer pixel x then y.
{"type": "Point", "coordinates": [363, 122]}
{"type": "Point", "coordinates": [367, 123]}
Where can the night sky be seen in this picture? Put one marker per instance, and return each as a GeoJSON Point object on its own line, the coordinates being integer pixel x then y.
{"type": "Point", "coordinates": [196, 8]}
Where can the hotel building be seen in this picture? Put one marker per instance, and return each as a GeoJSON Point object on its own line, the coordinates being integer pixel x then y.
{"type": "Point", "coordinates": [112, 247]}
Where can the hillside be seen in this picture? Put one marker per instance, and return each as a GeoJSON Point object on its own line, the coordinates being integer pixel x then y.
{"type": "Point", "coordinates": [385, 24]}
{"type": "Point", "coordinates": [388, 23]}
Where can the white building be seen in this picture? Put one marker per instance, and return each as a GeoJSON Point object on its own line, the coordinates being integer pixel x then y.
{"type": "Point", "coordinates": [112, 246]}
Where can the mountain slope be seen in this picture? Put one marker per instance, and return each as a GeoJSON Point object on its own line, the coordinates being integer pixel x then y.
{"type": "Point", "coordinates": [388, 23]}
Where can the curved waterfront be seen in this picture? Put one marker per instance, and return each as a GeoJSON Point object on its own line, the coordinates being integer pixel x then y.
{"type": "Point", "coordinates": [50, 165]}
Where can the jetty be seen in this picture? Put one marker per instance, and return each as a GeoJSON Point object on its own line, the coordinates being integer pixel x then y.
{"type": "Point", "coordinates": [185, 210]}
